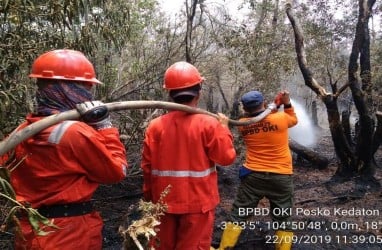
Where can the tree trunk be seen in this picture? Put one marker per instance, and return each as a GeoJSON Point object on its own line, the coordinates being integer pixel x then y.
{"type": "Point", "coordinates": [218, 82]}
{"type": "Point", "coordinates": [314, 114]}
{"type": "Point", "coordinates": [378, 133]}
{"type": "Point", "coordinates": [362, 95]}
{"type": "Point", "coordinates": [346, 125]}
{"type": "Point", "coordinates": [190, 11]}
{"type": "Point", "coordinates": [342, 148]}
{"type": "Point", "coordinates": [235, 111]}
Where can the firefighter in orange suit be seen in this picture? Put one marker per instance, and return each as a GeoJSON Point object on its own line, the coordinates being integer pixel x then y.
{"type": "Point", "coordinates": [181, 149]}
{"type": "Point", "coordinates": [267, 170]}
{"type": "Point", "coordinates": [62, 166]}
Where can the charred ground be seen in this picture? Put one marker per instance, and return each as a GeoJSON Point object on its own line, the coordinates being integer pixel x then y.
{"type": "Point", "coordinates": [314, 191]}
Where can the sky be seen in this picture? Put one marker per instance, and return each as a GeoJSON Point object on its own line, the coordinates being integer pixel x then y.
{"type": "Point", "coordinates": [174, 6]}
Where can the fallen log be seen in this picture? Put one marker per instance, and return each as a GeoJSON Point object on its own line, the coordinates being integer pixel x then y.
{"type": "Point", "coordinates": [17, 137]}
{"type": "Point", "coordinates": [316, 159]}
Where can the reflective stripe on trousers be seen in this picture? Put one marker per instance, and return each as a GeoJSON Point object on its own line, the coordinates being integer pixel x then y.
{"type": "Point", "coordinates": [183, 173]}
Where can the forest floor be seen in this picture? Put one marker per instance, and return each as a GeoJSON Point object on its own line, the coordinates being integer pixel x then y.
{"type": "Point", "coordinates": [326, 213]}
{"type": "Point", "coordinates": [337, 223]}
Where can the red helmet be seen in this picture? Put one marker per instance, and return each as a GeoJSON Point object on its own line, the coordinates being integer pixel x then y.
{"type": "Point", "coordinates": [64, 64]}
{"type": "Point", "coordinates": [181, 75]}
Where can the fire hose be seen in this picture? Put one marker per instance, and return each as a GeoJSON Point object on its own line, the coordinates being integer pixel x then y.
{"type": "Point", "coordinates": [17, 137]}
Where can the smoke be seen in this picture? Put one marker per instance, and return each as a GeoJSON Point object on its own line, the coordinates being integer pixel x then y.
{"type": "Point", "coordinates": [303, 133]}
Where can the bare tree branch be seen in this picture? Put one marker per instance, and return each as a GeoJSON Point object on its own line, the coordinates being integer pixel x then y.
{"type": "Point", "coordinates": [301, 56]}
{"type": "Point", "coordinates": [190, 11]}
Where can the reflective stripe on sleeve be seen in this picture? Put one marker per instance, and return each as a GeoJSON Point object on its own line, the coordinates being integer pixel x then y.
{"type": "Point", "coordinates": [183, 173]}
{"type": "Point", "coordinates": [57, 133]}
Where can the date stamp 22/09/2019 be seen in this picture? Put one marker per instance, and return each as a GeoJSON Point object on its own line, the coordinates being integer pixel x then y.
{"type": "Point", "coordinates": [325, 239]}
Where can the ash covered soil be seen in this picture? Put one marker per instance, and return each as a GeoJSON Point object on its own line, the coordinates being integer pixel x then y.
{"type": "Point", "coordinates": [326, 213]}
{"type": "Point", "coordinates": [337, 223]}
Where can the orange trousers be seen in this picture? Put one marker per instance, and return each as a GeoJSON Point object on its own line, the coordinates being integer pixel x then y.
{"type": "Point", "coordinates": [186, 231]}
{"type": "Point", "coordinates": [77, 232]}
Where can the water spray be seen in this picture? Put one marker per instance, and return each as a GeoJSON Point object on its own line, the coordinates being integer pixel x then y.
{"type": "Point", "coordinates": [303, 132]}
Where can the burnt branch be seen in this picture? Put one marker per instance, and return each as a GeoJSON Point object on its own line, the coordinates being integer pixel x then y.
{"type": "Point", "coordinates": [342, 89]}
{"type": "Point", "coordinates": [308, 154]}
{"type": "Point", "coordinates": [301, 56]}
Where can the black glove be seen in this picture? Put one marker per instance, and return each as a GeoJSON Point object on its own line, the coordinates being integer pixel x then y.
{"type": "Point", "coordinates": [95, 113]}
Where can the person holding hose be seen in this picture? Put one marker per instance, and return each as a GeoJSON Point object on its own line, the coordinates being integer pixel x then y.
{"type": "Point", "coordinates": [181, 149]}
{"type": "Point", "coordinates": [267, 170]}
{"type": "Point", "coordinates": [57, 170]}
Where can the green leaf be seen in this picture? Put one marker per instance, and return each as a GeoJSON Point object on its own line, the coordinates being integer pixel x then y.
{"type": "Point", "coordinates": [7, 188]}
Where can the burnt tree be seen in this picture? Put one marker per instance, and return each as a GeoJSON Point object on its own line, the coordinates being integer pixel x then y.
{"type": "Point", "coordinates": [190, 12]}
{"type": "Point", "coordinates": [355, 159]}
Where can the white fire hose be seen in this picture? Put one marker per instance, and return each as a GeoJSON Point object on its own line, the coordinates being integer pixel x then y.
{"type": "Point", "coordinates": [17, 137]}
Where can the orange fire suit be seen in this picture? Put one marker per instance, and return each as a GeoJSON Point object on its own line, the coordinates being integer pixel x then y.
{"type": "Point", "coordinates": [65, 164]}
{"type": "Point", "coordinates": [181, 149]}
